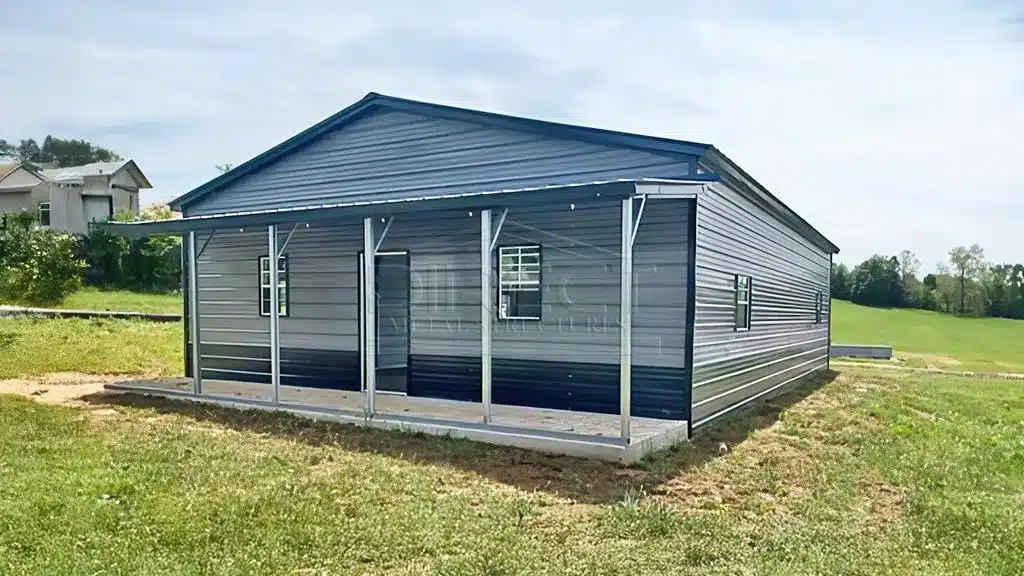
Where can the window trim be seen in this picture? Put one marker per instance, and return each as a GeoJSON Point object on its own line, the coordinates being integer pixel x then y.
{"type": "Point", "coordinates": [49, 213]}
{"type": "Point", "coordinates": [736, 302]}
{"type": "Point", "coordinates": [540, 282]}
{"type": "Point", "coordinates": [287, 287]}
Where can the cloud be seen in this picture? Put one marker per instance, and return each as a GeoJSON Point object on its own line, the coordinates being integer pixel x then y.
{"type": "Point", "coordinates": [888, 126]}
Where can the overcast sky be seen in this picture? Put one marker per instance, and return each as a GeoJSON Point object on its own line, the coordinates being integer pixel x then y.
{"type": "Point", "coordinates": [887, 125]}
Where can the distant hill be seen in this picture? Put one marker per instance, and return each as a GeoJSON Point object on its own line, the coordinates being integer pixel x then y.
{"type": "Point", "coordinates": [926, 338]}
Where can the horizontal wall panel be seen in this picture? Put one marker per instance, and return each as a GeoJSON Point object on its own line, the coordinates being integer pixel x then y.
{"type": "Point", "coordinates": [311, 368]}
{"type": "Point", "coordinates": [732, 367]}
{"type": "Point", "coordinates": [583, 387]}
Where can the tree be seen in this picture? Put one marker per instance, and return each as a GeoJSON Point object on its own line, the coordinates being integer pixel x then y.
{"type": "Point", "coordinates": [968, 263]}
{"type": "Point", "coordinates": [876, 282]}
{"type": "Point", "coordinates": [930, 282]}
{"type": "Point", "coordinates": [73, 152]}
{"type": "Point", "coordinates": [909, 264]}
{"type": "Point", "coordinates": [222, 168]}
{"type": "Point", "coordinates": [840, 282]}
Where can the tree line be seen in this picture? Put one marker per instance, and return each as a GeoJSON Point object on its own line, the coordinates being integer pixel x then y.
{"type": "Point", "coordinates": [56, 151]}
{"type": "Point", "coordinates": [967, 284]}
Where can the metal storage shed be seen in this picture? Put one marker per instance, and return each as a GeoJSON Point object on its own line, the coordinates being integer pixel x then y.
{"type": "Point", "coordinates": [535, 284]}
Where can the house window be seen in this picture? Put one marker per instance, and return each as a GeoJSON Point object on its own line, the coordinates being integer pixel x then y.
{"type": "Point", "coordinates": [44, 213]}
{"type": "Point", "coordinates": [282, 286]}
{"type": "Point", "coordinates": [519, 282]}
{"type": "Point", "coordinates": [818, 306]}
{"type": "Point", "coordinates": [742, 302]}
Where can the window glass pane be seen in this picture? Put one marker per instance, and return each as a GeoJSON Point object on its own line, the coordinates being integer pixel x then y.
{"type": "Point", "coordinates": [742, 310]}
{"type": "Point", "coordinates": [519, 275]}
{"type": "Point", "coordinates": [264, 263]}
{"type": "Point", "coordinates": [528, 305]}
{"type": "Point", "coordinates": [282, 264]}
{"type": "Point", "coordinates": [265, 278]}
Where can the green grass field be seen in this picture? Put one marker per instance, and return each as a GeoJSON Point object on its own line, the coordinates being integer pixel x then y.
{"type": "Point", "coordinates": [122, 301]}
{"type": "Point", "coordinates": [873, 473]}
{"type": "Point", "coordinates": [925, 338]}
{"type": "Point", "coordinates": [867, 472]}
{"type": "Point", "coordinates": [30, 346]}
{"type": "Point", "coordinates": [91, 298]}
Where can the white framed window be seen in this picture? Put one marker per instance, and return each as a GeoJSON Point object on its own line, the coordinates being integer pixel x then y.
{"type": "Point", "coordinates": [819, 305]}
{"type": "Point", "coordinates": [282, 286]}
{"type": "Point", "coordinates": [742, 302]}
{"type": "Point", "coordinates": [519, 282]}
{"type": "Point", "coordinates": [44, 213]}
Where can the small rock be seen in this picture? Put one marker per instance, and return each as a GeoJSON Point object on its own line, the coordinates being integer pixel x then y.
{"type": "Point", "coordinates": [723, 448]}
{"type": "Point", "coordinates": [39, 392]}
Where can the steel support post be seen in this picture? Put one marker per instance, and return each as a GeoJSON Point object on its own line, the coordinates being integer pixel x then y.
{"type": "Point", "coordinates": [193, 312]}
{"type": "Point", "coordinates": [485, 313]}
{"type": "Point", "coordinates": [626, 319]}
{"type": "Point", "coordinates": [275, 313]}
{"type": "Point", "coordinates": [369, 318]}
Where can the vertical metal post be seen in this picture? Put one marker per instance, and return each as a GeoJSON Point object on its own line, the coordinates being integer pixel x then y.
{"type": "Point", "coordinates": [626, 319]}
{"type": "Point", "coordinates": [369, 317]}
{"type": "Point", "coordinates": [485, 313]}
{"type": "Point", "coordinates": [275, 314]}
{"type": "Point", "coordinates": [193, 312]}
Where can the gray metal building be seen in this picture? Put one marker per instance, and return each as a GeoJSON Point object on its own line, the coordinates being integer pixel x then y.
{"type": "Point", "coordinates": [516, 263]}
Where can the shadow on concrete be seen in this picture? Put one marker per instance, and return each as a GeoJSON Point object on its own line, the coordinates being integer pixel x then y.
{"type": "Point", "coordinates": [586, 481]}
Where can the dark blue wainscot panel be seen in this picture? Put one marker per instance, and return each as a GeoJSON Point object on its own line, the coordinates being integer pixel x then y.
{"type": "Point", "coordinates": [311, 368]}
{"type": "Point", "coordinates": [578, 386]}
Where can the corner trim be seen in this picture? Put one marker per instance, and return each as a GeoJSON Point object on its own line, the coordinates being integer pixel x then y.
{"type": "Point", "coordinates": [691, 311]}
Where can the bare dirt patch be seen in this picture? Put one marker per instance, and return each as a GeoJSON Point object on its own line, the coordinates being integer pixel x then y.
{"type": "Point", "coordinates": [58, 388]}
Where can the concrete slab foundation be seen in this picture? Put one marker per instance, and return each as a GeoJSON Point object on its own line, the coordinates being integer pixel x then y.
{"type": "Point", "coordinates": [582, 434]}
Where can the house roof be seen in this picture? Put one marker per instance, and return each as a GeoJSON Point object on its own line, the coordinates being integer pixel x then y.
{"type": "Point", "coordinates": [96, 169]}
{"type": "Point", "coordinates": [9, 169]}
{"type": "Point", "coordinates": [707, 153]}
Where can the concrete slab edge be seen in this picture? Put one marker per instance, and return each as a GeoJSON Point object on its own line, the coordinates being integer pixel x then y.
{"type": "Point", "coordinates": [551, 442]}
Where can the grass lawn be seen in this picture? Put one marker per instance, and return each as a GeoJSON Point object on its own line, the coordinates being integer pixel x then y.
{"type": "Point", "coordinates": [872, 473]}
{"type": "Point", "coordinates": [90, 298]}
{"type": "Point", "coordinates": [30, 346]}
{"type": "Point", "coordinates": [931, 339]}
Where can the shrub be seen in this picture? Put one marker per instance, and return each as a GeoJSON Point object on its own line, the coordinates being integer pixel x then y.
{"type": "Point", "coordinates": [152, 263]}
{"type": "Point", "coordinates": [39, 266]}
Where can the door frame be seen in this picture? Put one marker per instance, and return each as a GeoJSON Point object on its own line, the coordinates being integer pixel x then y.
{"type": "Point", "coordinates": [408, 314]}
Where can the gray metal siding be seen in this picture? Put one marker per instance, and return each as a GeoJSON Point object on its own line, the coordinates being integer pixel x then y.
{"type": "Point", "coordinates": [784, 343]}
{"type": "Point", "coordinates": [394, 154]}
{"type": "Point", "coordinates": [444, 257]}
{"type": "Point", "coordinates": [580, 255]}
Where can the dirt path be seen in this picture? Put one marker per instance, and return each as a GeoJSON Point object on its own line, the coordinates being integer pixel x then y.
{"type": "Point", "coordinates": [58, 388]}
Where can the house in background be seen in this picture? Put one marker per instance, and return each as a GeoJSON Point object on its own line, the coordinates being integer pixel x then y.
{"type": "Point", "coordinates": [70, 198]}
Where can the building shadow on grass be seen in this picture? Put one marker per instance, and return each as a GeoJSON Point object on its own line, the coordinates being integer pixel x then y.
{"type": "Point", "coordinates": [583, 480]}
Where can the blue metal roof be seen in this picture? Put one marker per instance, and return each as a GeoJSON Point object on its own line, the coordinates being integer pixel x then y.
{"type": "Point", "coordinates": [706, 153]}
{"type": "Point", "coordinates": [374, 100]}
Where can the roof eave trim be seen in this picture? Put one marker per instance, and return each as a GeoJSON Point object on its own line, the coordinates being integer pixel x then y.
{"type": "Point", "coordinates": [138, 175]}
{"type": "Point", "coordinates": [773, 204]}
{"type": "Point", "coordinates": [272, 154]}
